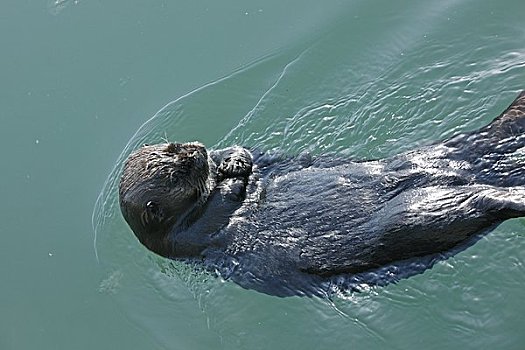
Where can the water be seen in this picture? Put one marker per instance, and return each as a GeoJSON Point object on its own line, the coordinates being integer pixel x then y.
{"type": "Point", "coordinates": [79, 78]}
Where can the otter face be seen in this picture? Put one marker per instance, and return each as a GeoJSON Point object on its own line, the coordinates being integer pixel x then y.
{"type": "Point", "coordinates": [160, 185]}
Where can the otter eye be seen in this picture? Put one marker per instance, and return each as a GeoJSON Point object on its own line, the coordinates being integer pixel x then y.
{"type": "Point", "coordinates": [152, 214]}
{"type": "Point", "coordinates": [152, 207]}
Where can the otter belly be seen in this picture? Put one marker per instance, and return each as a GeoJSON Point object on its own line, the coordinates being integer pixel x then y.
{"type": "Point", "coordinates": [359, 216]}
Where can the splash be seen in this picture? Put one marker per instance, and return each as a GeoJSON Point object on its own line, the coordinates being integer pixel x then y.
{"type": "Point", "coordinates": [55, 7]}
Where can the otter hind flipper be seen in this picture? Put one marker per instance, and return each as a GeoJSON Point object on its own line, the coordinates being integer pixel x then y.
{"type": "Point", "coordinates": [505, 134]}
{"type": "Point", "coordinates": [502, 203]}
{"type": "Point", "coordinates": [510, 123]}
{"type": "Point", "coordinates": [496, 152]}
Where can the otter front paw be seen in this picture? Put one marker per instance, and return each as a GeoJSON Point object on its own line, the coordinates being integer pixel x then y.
{"type": "Point", "coordinates": [236, 162]}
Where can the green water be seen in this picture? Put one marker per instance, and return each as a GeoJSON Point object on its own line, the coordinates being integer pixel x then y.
{"type": "Point", "coordinates": [364, 78]}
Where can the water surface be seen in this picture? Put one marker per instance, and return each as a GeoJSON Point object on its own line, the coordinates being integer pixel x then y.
{"type": "Point", "coordinates": [81, 80]}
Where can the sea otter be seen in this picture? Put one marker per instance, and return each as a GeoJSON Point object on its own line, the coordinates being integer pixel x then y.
{"type": "Point", "coordinates": [278, 224]}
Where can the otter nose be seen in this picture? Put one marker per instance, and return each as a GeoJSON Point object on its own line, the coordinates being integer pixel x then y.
{"type": "Point", "coordinates": [197, 146]}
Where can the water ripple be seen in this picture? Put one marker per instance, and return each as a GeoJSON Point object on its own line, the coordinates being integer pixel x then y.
{"type": "Point", "coordinates": [424, 79]}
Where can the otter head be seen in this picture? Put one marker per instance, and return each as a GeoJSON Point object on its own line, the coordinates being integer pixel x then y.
{"type": "Point", "coordinates": [161, 187]}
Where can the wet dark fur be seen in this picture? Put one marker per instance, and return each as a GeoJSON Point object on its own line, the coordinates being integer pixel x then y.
{"type": "Point", "coordinates": [294, 225]}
